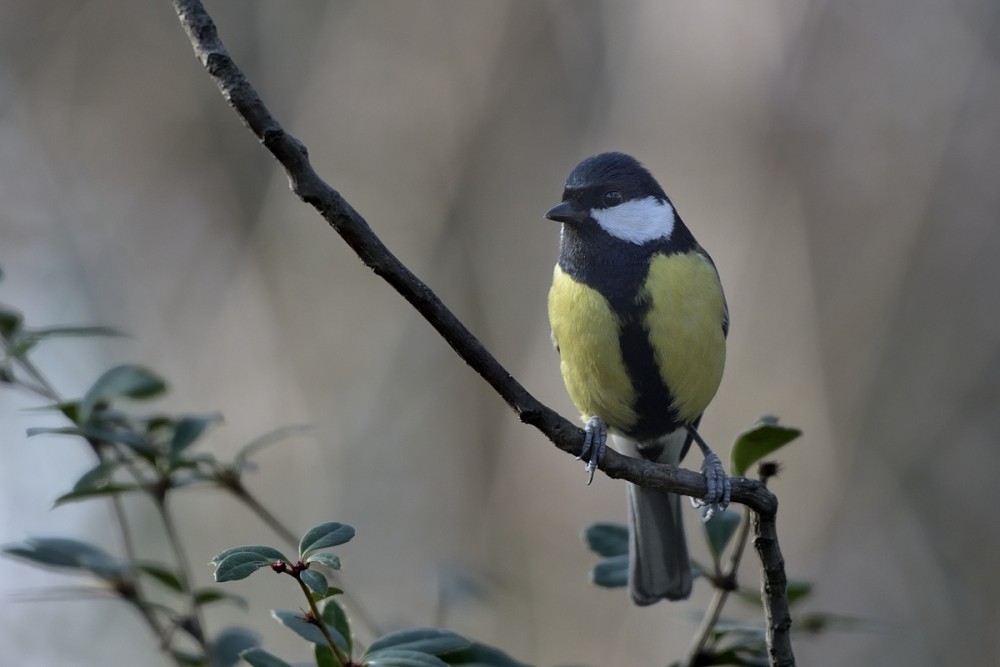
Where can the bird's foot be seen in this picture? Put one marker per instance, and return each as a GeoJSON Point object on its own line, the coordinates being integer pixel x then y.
{"type": "Point", "coordinates": [718, 483]}
{"type": "Point", "coordinates": [594, 443]}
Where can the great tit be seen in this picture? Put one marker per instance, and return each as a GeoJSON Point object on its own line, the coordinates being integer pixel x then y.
{"type": "Point", "coordinates": [639, 319]}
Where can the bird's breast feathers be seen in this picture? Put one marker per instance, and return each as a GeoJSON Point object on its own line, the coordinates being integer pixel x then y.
{"type": "Point", "coordinates": [682, 309]}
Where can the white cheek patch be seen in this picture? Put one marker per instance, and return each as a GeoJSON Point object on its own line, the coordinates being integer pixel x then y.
{"type": "Point", "coordinates": [638, 220]}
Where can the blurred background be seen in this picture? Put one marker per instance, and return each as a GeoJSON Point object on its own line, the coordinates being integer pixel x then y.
{"type": "Point", "coordinates": [838, 160]}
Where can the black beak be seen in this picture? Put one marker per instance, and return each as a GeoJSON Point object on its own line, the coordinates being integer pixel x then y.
{"type": "Point", "coordinates": [566, 212]}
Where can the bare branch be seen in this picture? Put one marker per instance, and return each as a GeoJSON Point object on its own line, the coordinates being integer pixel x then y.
{"type": "Point", "coordinates": [356, 232]}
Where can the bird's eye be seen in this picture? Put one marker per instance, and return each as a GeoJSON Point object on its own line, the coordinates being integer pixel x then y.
{"type": "Point", "coordinates": [612, 198]}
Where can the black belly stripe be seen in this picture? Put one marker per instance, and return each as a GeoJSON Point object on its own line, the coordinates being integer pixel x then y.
{"type": "Point", "coordinates": [653, 397]}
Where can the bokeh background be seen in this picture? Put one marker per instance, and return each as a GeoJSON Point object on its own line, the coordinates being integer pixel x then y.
{"type": "Point", "coordinates": [840, 160]}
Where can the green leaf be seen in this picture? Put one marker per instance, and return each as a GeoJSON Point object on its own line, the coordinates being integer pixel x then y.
{"type": "Point", "coordinates": [393, 657]}
{"type": "Point", "coordinates": [98, 492]}
{"type": "Point", "coordinates": [425, 640]}
{"type": "Point", "coordinates": [297, 623]}
{"type": "Point", "coordinates": [761, 439]}
{"type": "Point", "coordinates": [324, 657]}
{"type": "Point", "coordinates": [71, 332]}
{"type": "Point", "coordinates": [607, 539]}
{"type": "Point", "coordinates": [315, 581]}
{"type": "Point", "coordinates": [269, 553]}
{"type": "Point", "coordinates": [125, 381]}
{"type": "Point", "coordinates": [188, 430]}
{"type": "Point", "coordinates": [798, 590]}
{"type": "Point", "coordinates": [10, 321]}
{"type": "Point", "coordinates": [163, 574]}
{"type": "Point", "coordinates": [96, 430]}
{"type": "Point", "coordinates": [266, 440]}
{"type": "Point", "coordinates": [241, 564]}
{"type": "Point", "coordinates": [719, 530]}
{"type": "Point", "coordinates": [68, 553]}
{"type": "Point", "coordinates": [97, 477]}
{"type": "Point", "coordinates": [611, 572]}
{"type": "Point", "coordinates": [228, 646]}
{"type": "Point", "coordinates": [258, 657]}
{"type": "Point", "coordinates": [45, 430]}
{"type": "Point", "coordinates": [817, 622]}
{"type": "Point", "coordinates": [325, 535]}
{"type": "Point", "coordinates": [331, 560]}
{"type": "Point", "coordinates": [335, 616]}
{"type": "Point", "coordinates": [208, 595]}
{"type": "Point", "coordinates": [190, 658]}
{"type": "Point", "coordinates": [481, 655]}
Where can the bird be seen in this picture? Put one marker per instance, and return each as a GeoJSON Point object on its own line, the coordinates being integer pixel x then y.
{"type": "Point", "coordinates": [639, 319]}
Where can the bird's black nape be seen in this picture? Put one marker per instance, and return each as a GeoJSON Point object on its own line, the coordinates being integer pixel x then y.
{"type": "Point", "coordinates": [615, 170]}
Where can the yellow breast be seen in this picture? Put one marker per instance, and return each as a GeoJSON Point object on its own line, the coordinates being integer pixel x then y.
{"type": "Point", "coordinates": [685, 329]}
{"type": "Point", "coordinates": [585, 330]}
{"type": "Point", "coordinates": [686, 307]}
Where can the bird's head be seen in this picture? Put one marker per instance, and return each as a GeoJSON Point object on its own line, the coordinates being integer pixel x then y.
{"type": "Point", "coordinates": [618, 194]}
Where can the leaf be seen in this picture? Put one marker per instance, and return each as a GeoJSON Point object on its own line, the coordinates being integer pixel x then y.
{"type": "Point", "coordinates": [481, 655]}
{"type": "Point", "coordinates": [761, 439]}
{"type": "Point", "coordinates": [163, 575]}
{"type": "Point", "coordinates": [240, 563]}
{"type": "Point", "coordinates": [324, 657]}
{"type": "Point", "coordinates": [607, 539]}
{"type": "Point", "coordinates": [267, 552]}
{"type": "Point", "coordinates": [611, 572]}
{"type": "Point", "coordinates": [208, 595]}
{"type": "Point", "coordinates": [797, 590]}
{"type": "Point", "coordinates": [817, 622]}
{"type": "Point", "coordinates": [96, 431]}
{"type": "Point", "coordinates": [188, 430]}
{"type": "Point", "coordinates": [258, 657]}
{"type": "Point", "coordinates": [315, 581]}
{"type": "Point", "coordinates": [182, 657]}
{"type": "Point", "coordinates": [72, 332]}
{"type": "Point", "coordinates": [403, 658]}
{"type": "Point", "coordinates": [10, 321]}
{"type": "Point", "coordinates": [267, 439]}
{"type": "Point", "coordinates": [125, 381]}
{"type": "Point", "coordinates": [325, 535]}
{"type": "Point", "coordinates": [335, 616]}
{"type": "Point", "coordinates": [97, 477]}
{"type": "Point", "coordinates": [331, 560]}
{"type": "Point", "coordinates": [719, 530]}
{"type": "Point", "coordinates": [227, 647]}
{"type": "Point", "coordinates": [98, 492]}
{"type": "Point", "coordinates": [45, 430]}
{"type": "Point", "coordinates": [68, 553]}
{"type": "Point", "coordinates": [298, 624]}
{"type": "Point", "coordinates": [434, 641]}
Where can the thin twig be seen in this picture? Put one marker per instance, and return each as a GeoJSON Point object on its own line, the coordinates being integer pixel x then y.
{"type": "Point", "coordinates": [356, 232]}
{"type": "Point", "coordinates": [720, 596]}
{"type": "Point", "coordinates": [274, 523]}
{"type": "Point", "coordinates": [321, 624]}
{"type": "Point", "coordinates": [196, 625]}
{"type": "Point", "coordinates": [774, 584]}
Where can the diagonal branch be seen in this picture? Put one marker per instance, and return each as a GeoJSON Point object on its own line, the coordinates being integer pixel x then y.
{"type": "Point", "coordinates": [356, 232]}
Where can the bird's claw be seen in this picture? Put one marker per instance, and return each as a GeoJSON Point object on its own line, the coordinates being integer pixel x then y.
{"type": "Point", "coordinates": [718, 483]}
{"type": "Point", "coordinates": [594, 443]}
